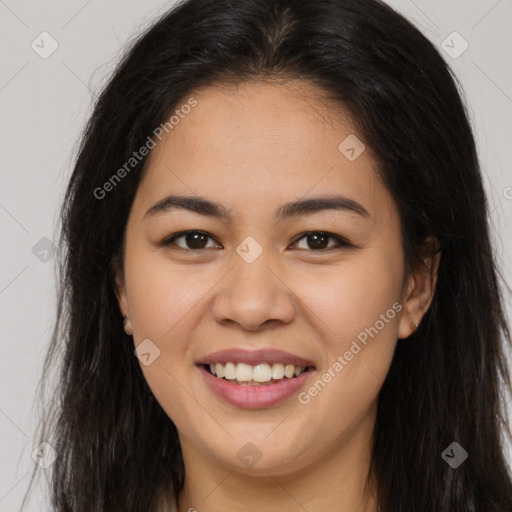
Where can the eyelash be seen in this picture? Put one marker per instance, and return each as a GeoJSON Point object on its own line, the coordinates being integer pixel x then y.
{"type": "Point", "coordinates": [342, 243]}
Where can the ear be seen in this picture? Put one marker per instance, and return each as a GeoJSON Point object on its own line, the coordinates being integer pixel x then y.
{"type": "Point", "coordinates": [421, 286]}
{"type": "Point", "coordinates": [116, 268]}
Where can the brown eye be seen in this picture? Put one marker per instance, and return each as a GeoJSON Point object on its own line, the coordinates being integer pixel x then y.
{"type": "Point", "coordinates": [319, 240]}
{"type": "Point", "coordinates": [194, 240]}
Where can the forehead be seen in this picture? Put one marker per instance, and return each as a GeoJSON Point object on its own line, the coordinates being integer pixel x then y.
{"type": "Point", "coordinates": [273, 114]}
{"type": "Point", "coordinates": [261, 143]}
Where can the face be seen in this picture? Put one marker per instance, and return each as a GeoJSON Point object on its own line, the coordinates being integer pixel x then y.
{"type": "Point", "coordinates": [319, 285]}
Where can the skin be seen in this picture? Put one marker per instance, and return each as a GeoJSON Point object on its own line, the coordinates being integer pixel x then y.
{"type": "Point", "coordinates": [253, 148]}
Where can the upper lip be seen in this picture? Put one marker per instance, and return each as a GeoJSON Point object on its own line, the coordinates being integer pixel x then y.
{"type": "Point", "coordinates": [254, 357]}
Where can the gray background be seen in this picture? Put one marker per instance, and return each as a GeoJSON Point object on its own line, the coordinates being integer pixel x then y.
{"type": "Point", "coordinates": [44, 105]}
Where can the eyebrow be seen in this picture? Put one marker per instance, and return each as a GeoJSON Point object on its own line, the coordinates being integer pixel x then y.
{"type": "Point", "coordinates": [210, 208]}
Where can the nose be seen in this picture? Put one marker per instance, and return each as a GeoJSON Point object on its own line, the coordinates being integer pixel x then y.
{"type": "Point", "coordinates": [253, 295]}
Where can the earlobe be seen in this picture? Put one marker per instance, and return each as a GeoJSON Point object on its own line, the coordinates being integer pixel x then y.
{"type": "Point", "coordinates": [127, 324]}
{"type": "Point", "coordinates": [120, 292]}
{"type": "Point", "coordinates": [420, 292]}
{"type": "Point", "coordinates": [119, 287]}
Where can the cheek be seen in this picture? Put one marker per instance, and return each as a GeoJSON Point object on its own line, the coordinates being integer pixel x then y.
{"type": "Point", "coordinates": [164, 303]}
{"type": "Point", "coordinates": [162, 296]}
{"type": "Point", "coordinates": [355, 296]}
{"type": "Point", "coordinates": [357, 312]}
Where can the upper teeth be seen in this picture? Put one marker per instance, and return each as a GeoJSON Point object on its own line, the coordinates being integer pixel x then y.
{"type": "Point", "coordinates": [243, 372]}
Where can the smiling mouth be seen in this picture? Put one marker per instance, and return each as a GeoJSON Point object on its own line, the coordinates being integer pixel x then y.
{"type": "Point", "coordinates": [256, 375]}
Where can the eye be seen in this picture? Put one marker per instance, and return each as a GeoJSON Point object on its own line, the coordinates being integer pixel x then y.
{"type": "Point", "coordinates": [196, 240]}
{"type": "Point", "coordinates": [317, 240]}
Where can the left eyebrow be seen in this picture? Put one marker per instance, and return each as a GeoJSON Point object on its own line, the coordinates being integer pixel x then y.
{"type": "Point", "coordinates": [317, 204]}
{"type": "Point", "coordinates": [210, 208]}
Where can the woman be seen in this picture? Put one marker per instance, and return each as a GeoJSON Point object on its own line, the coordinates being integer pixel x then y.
{"type": "Point", "coordinates": [277, 288]}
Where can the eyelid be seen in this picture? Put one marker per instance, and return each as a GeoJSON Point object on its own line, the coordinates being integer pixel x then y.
{"type": "Point", "coordinates": [171, 238]}
{"type": "Point", "coordinates": [341, 241]}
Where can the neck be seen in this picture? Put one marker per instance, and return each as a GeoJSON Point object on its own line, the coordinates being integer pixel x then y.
{"type": "Point", "coordinates": [333, 481]}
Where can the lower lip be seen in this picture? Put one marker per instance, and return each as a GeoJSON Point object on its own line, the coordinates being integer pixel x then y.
{"type": "Point", "coordinates": [254, 397]}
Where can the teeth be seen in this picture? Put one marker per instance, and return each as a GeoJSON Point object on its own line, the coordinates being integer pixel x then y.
{"type": "Point", "coordinates": [230, 371]}
{"type": "Point", "coordinates": [219, 370]}
{"type": "Point", "coordinates": [277, 371]}
{"type": "Point", "coordinates": [243, 372]}
{"type": "Point", "coordinates": [289, 371]}
{"type": "Point", "coordinates": [261, 373]}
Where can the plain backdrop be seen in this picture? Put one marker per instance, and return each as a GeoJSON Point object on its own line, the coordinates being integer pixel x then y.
{"type": "Point", "coordinates": [45, 101]}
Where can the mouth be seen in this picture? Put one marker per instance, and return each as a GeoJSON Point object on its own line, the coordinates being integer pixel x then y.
{"type": "Point", "coordinates": [265, 374]}
{"type": "Point", "coordinates": [254, 379]}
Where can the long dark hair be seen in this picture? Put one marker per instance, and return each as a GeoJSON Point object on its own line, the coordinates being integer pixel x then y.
{"type": "Point", "coordinates": [117, 449]}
